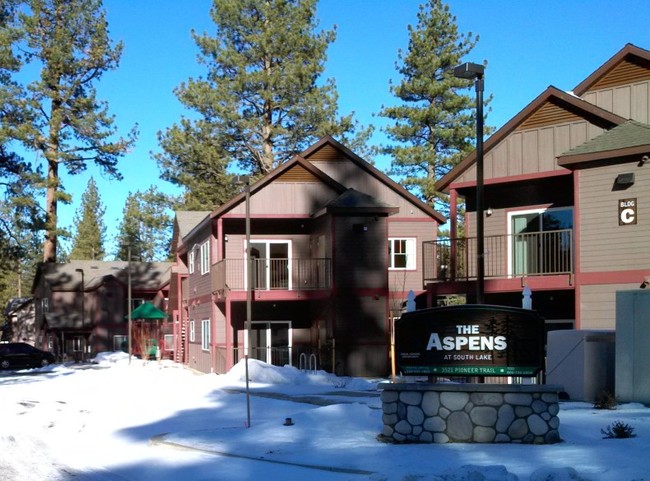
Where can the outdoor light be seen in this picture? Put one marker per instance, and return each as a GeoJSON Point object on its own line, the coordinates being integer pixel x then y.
{"type": "Point", "coordinates": [475, 71]}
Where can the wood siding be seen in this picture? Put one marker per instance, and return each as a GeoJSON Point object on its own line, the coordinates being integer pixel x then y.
{"type": "Point", "coordinates": [288, 199]}
{"type": "Point", "coordinates": [361, 255]}
{"type": "Point", "coordinates": [598, 305]}
{"type": "Point", "coordinates": [354, 177]}
{"type": "Point", "coordinates": [604, 244]}
{"type": "Point", "coordinates": [532, 151]}
{"type": "Point", "coordinates": [631, 101]}
{"type": "Point", "coordinates": [400, 281]}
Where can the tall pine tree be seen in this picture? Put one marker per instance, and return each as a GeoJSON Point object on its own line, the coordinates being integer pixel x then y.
{"type": "Point", "coordinates": [435, 125]}
{"type": "Point", "coordinates": [65, 122]}
{"type": "Point", "coordinates": [145, 229]}
{"type": "Point", "coordinates": [260, 102]}
{"type": "Point", "coordinates": [88, 242]}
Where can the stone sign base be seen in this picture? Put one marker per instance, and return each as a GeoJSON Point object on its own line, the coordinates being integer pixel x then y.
{"type": "Point", "coordinates": [470, 413]}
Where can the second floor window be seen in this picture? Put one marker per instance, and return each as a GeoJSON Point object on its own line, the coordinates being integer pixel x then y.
{"type": "Point", "coordinates": [190, 261]}
{"type": "Point", "coordinates": [205, 257]}
{"type": "Point", "coordinates": [401, 253]}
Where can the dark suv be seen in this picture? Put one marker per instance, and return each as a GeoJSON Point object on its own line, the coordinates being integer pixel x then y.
{"type": "Point", "coordinates": [20, 355]}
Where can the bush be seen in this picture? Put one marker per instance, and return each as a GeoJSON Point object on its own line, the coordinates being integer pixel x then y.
{"type": "Point", "coordinates": [605, 400]}
{"type": "Point", "coordinates": [618, 430]}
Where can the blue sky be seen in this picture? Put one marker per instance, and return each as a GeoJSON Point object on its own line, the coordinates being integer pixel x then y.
{"type": "Point", "coordinates": [528, 46]}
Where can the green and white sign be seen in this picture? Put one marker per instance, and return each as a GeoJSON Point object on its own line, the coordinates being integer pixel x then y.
{"type": "Point", "coordinates": [470, 340]}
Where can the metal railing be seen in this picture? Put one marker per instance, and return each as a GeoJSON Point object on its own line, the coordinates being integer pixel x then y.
{"type": "Point", "coordinates": [515, 255]}
{"type": "Point", "coordinates": [270, 274]}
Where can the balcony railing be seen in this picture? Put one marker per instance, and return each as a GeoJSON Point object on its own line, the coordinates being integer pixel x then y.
{"type": "Point", "coordinates": [272, 274]}
{"type": "Point", "coordinates": [516, 255]}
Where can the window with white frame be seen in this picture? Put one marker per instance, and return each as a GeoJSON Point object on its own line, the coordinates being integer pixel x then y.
{"type": "Point", "coordinates": [401, 253]}
{"type": "Point", "coordinates": [190, 261]}
{"type": "Point", "coordinates": [205, 334]}
{"type": "Point", "coordinates": [205, 257]}
{"type": "Point", "coordinates": [192, 331]}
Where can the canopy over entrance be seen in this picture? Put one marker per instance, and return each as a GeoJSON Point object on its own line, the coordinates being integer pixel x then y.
{"type": "Point", "coordinates": [147, 311]}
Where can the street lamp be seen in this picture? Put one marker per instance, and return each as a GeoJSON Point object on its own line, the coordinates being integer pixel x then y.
{"type": "Point", "coordinates": [475, 71]}
{"type": "Point", "coordinates": [244, 179]}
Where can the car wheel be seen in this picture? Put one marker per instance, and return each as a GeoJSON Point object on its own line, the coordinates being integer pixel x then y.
{"type": "Point", "coordinates": [45, 362]}
{"type": "Point", "coordinates": [4, 364]}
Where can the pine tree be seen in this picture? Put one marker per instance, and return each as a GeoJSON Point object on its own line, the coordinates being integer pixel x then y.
{"type": "Point", "coordinates": [88, 243]}
{"type": "Point", "coordinates": [259, 104]}
{"type": "Point", "coordinates": [64, 121]}
{"type": "Point", "coordinates": [435, 125]}
{"type": "Point", "coordinates": [145, 229]}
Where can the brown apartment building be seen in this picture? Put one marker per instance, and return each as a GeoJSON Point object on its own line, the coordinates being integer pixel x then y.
{"type": "Point", "coordinates": [336, 248]}
{"type": "Point", "coordinates": [567, 198]}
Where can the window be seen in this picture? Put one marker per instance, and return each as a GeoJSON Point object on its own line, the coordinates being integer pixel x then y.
{"type": "Point", "coordinates": [190, 262]}
{"type": "Point", "coordinates": [542, 241]}
{"type": "Point", "coordinates": [205, 257]}
{"type": "Point", "coordinates": [46, 304]}
{"type": "Point", "coordinates": [401, 253]}
{"type": "Point", "coordinates": [169, 342]}
{"type": "Point", "coordinates": [120, 343]}
{"type": "Point", "coordinates": [192, 331]}
{"type": "Point", "coordinates": [205, 334]}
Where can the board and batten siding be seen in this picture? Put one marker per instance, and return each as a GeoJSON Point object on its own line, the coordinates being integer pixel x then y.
{"type": "Point", "coordinates": [288, 198]}
{"type": "Point", "coordinates": [358, 179]}
{"type": "Point", "coordinates": [604, 244]}
{"type": "Point", "coordinates": [532, 151]}
{"type": "Point", "coordinates": [630, 101]}
{"type": "Point", "coordinates": [360, 263]}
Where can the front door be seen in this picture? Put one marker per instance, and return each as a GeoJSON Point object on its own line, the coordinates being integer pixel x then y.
{"type": "Point", "coordinates": [271, 264]}
{"type": "Point", "coordinates": [271, 342]}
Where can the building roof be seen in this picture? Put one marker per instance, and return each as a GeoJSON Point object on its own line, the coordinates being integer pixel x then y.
{"type": "Point", "coordinates": [551, 95]}
{"type": "Point", "coordinates": [68, 276]}
{"type": "Point", "coordinates": [630, 60]}
{"type": "Point", "coordinates": [627, 139]}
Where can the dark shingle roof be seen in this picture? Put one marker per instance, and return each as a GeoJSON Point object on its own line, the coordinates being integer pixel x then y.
{"type": "Point", "coordinates": [626, 139]}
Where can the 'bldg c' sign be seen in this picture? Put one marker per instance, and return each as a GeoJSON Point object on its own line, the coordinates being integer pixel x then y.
{"type": "Point", "coordinates": [627, 212]}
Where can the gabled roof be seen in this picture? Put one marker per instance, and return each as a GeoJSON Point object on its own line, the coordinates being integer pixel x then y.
{"type": "Point", "coordinates": [551, 97]}
{"type": "Point", "coordinates": [373, 171]}
{"type": "Point", "coordinates": [184, 223]}
{"type": "Point", "coordinates": [624, 140]}
{"type": "Point", "coordinates": [357, 203]}
{"type": "Point", "coordinates": [297, 163]}
{"type": "Point", "coordinates": [68, 276]}
{"type": "Point", "coordinates": [629, 62]}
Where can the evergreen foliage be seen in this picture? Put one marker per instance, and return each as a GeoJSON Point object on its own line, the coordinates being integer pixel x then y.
{"type": "Point", "coordinates": [435, 125]}
{"type": "Point", "coordinates": [62, 119]}
{"type": "Point", "coordinates": [260, 102]}
{"type": "Point", "coordinates": [146, 226]}
{"type": "Point", "coordinates": [88, 243]}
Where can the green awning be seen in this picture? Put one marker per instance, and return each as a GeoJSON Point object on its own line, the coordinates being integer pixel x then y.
{"type": "Point", "coordinates": [146, 311]}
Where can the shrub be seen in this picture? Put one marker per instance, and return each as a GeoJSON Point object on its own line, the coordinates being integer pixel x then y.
{"type": "Point", "coordinates": [618, 430]}
{"type": "Point", "coordinates": [605, 400]}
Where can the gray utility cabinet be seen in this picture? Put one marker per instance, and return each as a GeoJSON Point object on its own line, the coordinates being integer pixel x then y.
{"type": "Point", "coordinates": [582, 361]}
{"type": "Point", "coordinates": [633, 346]}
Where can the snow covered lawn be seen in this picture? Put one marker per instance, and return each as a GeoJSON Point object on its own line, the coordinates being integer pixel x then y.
{"type": "Point", "coordinates": [114, 422]}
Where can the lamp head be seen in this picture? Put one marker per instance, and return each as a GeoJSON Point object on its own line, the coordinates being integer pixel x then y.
{"type": "Point", "coordinates": [469, 70]}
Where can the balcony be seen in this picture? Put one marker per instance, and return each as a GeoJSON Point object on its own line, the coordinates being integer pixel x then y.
{"type": "Point", "coordinates": [272, 274]}
{"type": "Point", "coordinates": [506, 256]}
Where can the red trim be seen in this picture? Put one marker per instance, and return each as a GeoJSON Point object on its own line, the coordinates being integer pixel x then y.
{"type": "Point", "coordinates": [636, 276]}
{"type": "Point", "coordinates": [576, 245]}
{"type": "Point", "coordinates": [267, 216]}
{"type": "Point", "coordinates": [410, 219]}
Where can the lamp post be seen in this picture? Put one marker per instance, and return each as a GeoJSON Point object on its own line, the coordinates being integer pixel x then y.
{"type": "Point", "coordinates": [244, 179]}
{"type": "Point", "coordinates": [475, 71]}
{"type": "Point", "coordinates": [129, 302]}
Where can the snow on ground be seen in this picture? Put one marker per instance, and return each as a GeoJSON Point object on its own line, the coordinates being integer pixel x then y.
{"type": "Point", "coordinates": [115, 421]}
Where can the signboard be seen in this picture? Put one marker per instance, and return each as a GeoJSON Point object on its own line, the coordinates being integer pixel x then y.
{"type": "Point", "coordinates": [627, 212]}
{"type": "Point", "coordinates": [470, 340]}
